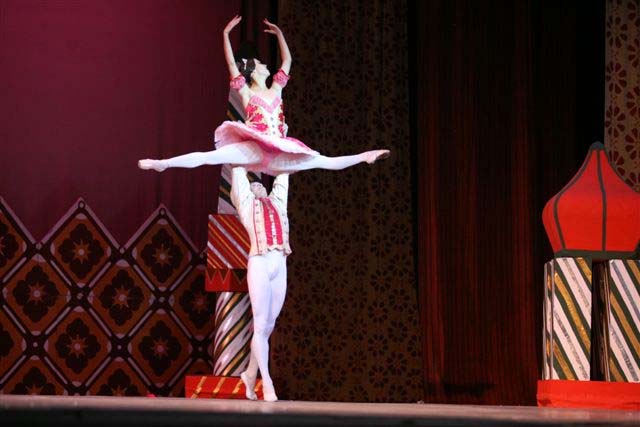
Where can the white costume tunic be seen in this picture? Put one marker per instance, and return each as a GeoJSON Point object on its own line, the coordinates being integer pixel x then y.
{"type": "Point", "coordinates": [265, 219]}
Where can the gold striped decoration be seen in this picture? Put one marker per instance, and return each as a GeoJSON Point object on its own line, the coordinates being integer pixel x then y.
{"type": "Point", "coordinates": [624, 320]}
{"type": "Point", "coordinates": [233, 325]}
{"type": "Point", "coordinates": [567, 319]}
{"type": "Point", "coordinates": [547, 321]}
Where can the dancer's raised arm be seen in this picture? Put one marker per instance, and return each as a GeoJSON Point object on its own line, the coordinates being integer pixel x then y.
{"type": "Point", "coordinates": [285, 55]}
{"type": "Point", "coordinates": [228, 51]}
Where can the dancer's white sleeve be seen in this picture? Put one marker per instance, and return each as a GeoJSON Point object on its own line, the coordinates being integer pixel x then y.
{"type": "Point", "coordinates": [241, 195]}
{"type": "Point", "coordinates": [280, 189]}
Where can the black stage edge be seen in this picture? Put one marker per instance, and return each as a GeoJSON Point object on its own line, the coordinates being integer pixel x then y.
{"type": "Point", "coordinates": [71, 411]}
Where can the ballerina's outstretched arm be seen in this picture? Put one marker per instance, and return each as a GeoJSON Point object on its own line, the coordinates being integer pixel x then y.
{"type": "Point", "coordinates": [285, 54]}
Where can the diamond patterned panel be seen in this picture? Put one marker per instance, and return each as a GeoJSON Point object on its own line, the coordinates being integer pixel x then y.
{"type": "Point", "coordinates": [14, 241]}
{"type": "Point", "coordinates": [119, 379]}
{"type": "Point", "coordinates": [78, 347]}
{"type": "Point", "coordinates": [121, 298]}
{"type": "Point", "coordinates": [160, 349]}
{"type": "Point", "coordinates": [161, 250]}
{"type": "Point", "coordinates": [81, 315]}
{"type": "Point", "coordinates": [12, 345]}
{"type": "Point", "coordinates": [34, 378]}
{"type": "Point", "coordinates": [79, 244]}
{"type": "Point", "coordinates": [36, 294]}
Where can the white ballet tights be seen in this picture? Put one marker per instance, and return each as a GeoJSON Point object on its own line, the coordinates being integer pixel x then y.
{"type": "Point", "coordinates": [248, 153]}
{"type": "Point", "coordinates": [267, 281]}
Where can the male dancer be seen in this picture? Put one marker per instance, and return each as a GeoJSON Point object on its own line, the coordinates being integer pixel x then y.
{"type": "Point", "coordinates": [265, 219]}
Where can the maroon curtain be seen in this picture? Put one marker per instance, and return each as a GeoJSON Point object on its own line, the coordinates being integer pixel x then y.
{"type": "Point", "coordinates": [505, 108]}
{"type": "Point", "coordinates": [91, 87]}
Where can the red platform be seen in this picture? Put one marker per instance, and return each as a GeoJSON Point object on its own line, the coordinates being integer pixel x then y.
{"type": "Point", "coordinates": [588, 394]}
{"type": "Point", "coordinates": [213, 387]}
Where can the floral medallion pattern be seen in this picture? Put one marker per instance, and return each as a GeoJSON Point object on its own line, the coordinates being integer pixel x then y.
{"type": "Point", "coordinates": [622, 89]}
{"type": "Point", "coordinates": [196, 303]}
{"type": "Point", "coordinates": [79, 245]}
{"type": "Point", "coordinates": [161, 251]}
{"type": "Point", "coordinates": [77, 345]}
{"type": "Point", "coordinates": [161, 348]}
{"type": "Point", "coordinates": [34, 382]}
{"type": "Point", "coordinates": [81, 251]}
{"type": "Point", "coordinates": [36, 293]}
{"type": "Point", "coordinates": [119, 384]}
{"type": "Point", "coordinates": [121, 298]}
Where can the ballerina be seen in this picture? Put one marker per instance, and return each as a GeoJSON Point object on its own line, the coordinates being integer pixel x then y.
{"type": "Point", "coordinates": [261, 143]}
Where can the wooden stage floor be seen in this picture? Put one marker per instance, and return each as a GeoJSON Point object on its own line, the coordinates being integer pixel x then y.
{"type": "Point", "coordinates": [150, 412]}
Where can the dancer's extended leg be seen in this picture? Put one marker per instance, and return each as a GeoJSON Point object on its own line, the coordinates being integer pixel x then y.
{"type": "Point", "coordinates": [236, 154]}
{"type": "Point", "coordinates": [294, 162]}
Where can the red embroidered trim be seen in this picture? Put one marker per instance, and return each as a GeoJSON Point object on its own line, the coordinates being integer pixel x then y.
{"type": "Point", "coordinates": [267, 208]}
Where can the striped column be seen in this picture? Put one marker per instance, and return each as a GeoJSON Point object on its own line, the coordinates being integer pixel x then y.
{"type": "Point", "coordinates": [623, 311]}
{"type": "Point", "coordinates": [227, 252]}
{"type": "Point", "coordinates": [567, 319]}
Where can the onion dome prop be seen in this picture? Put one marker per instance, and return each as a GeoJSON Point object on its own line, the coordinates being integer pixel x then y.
{"type": "Point", "coordinates": [596, 215]}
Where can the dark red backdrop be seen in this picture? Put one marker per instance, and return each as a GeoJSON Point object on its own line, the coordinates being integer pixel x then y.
{"type": "Point", "coordinates": [88, 88]}
{"type": "Point", "coordinates": [507, 98]}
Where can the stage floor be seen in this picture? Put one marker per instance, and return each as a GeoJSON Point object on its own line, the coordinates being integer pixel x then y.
{"type": "Point", "coordinates": [148, 412]}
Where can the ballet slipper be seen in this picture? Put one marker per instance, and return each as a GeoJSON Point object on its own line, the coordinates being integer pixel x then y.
{"type": "Point", "coordinates": [269, 392]}
{"type": "Point", "coordinates": [249, 385]}
{"type": "Point", "coordinates": [373, 156]}
{"type": "Point", "coordinates": [157, 165]}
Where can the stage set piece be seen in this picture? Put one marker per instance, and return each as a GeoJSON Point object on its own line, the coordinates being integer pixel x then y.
{"type": "Point", "coordinates": [591, 322]}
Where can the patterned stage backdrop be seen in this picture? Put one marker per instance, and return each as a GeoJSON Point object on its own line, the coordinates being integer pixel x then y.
{"type": "Point", "coordinates": [80, 314]}
{"type": "Point", "coordinates": [349, 330]}
{"type": "Point", "coordinates": [622, 89]}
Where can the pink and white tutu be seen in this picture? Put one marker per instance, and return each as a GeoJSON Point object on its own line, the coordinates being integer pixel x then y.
{"type": "Point", "coordinates": [265, 127]}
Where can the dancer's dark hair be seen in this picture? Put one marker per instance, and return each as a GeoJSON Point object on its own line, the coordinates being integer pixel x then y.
{"type": "Point", "coordinates": [246, 67]}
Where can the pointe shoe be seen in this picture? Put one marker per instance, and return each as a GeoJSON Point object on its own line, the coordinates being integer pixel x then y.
{"type": "Point", "coordinates": [146, 164]}
{"type": "Point", "coordinates": [373, 156]}
{"type": "Point", "coordinates": [269, 392]}
{"type": "Point", "coordinates": [249, 386]}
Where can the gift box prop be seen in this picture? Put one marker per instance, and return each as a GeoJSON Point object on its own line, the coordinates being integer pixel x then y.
{"type": "Point", "coordinates": [591, 309]}
{"type": "Point", "coordinates": [227, 252]}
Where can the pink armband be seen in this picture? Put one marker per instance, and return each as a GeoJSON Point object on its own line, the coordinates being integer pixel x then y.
{"type": "Point", "coordinates": [237, 82]}
{"type": "Point", "coordinates": [281, 78]}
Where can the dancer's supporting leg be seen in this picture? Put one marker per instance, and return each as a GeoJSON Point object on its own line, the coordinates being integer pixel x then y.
{"type": "Point", "coordinates": [294, 162]}
{"type": "Point", "coordinates": [267, 287]}
{"type": "Point", "coordinates": [278, 294]}
{"type": "Point", "coordinates": [237, 154]}
{"type": "Point", "coordinates": [249, 376]}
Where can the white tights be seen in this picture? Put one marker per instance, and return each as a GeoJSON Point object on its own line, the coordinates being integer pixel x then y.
{"type": "Point", "coordinates": [249, 153]}
{"type": "Point", "coordinates": [267, 281]}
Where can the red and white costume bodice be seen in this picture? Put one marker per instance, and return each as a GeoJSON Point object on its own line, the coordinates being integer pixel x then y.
{"type": "Point", "coordinates": [266, 117]}
{"type": "Point", "coordinates": [265, 127]}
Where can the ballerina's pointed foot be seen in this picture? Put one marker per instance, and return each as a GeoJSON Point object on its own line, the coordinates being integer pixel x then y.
{"type": "Point", "coordinates": [375, 155]}
{"type": "Point", "coordinates": [156, 165]}
{"type": "Point", "coordinates": [249, 385]}
{"type": "Point", "coordinates": [269, 392]}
